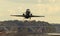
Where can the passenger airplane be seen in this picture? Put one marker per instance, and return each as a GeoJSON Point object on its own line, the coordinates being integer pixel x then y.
{"type": "Point", "coordinates": [27, 14]}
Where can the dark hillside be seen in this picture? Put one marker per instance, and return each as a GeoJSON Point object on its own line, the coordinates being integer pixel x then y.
{"type": "Point", "coordinates": [23, 27]}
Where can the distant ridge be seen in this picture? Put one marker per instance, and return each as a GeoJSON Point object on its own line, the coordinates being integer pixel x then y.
{"type": "Point", "coordinates": [47, 27]}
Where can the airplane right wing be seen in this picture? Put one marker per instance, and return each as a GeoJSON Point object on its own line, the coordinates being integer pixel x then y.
{"type": "Point", "coordinates": [17, 15]}
{"type": "Point", "coordinates": [37, 16]}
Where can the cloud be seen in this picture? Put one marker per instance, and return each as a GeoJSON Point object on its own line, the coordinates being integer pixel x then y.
{"type": "Point", "coordinates": [49, 2]}
{"type": "Point", "coordinates": [25, 1]}
{"type": "Point", "coordinates": [36, 1]}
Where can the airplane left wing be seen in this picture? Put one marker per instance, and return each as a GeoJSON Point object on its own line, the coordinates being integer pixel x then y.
{"type": "Point", "coordinates": [37, 16]}
{"type": "Point", "coordinates": [17, 15]}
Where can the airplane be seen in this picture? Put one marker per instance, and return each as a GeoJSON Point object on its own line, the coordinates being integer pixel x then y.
{"type": "Point", "coordinates": [27, 14]}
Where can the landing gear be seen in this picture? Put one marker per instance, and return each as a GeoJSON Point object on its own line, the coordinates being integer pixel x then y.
{"type": "Point", "coordinates": [23, 14]}
{"type": "Point", "coordinates": [30, 16]}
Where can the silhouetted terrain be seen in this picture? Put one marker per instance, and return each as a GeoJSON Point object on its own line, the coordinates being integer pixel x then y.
{"type": "Point", "coordinates": [57, 26]}
{"type": "Point", "coordinates": [24, 27]}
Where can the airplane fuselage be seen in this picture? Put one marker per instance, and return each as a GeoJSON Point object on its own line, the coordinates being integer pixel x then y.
{"type": "Point", "coordinates": [27, 14]}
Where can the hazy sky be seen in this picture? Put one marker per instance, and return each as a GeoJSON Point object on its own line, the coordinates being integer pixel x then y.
{"type": "Point", "coordinates": [49, 8]}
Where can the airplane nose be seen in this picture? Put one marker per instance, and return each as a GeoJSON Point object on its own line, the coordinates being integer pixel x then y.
{"type": "Point", "coordinates": [28, 9]}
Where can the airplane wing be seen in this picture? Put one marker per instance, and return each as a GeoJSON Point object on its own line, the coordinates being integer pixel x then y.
{"type": "Point", "coordinates": [37, 16]}
{"type": "Point", "coordinates": [17, 15]}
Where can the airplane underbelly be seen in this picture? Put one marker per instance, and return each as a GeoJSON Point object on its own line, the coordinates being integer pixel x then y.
{"type": "Point", "coordinates": [27, 16]}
